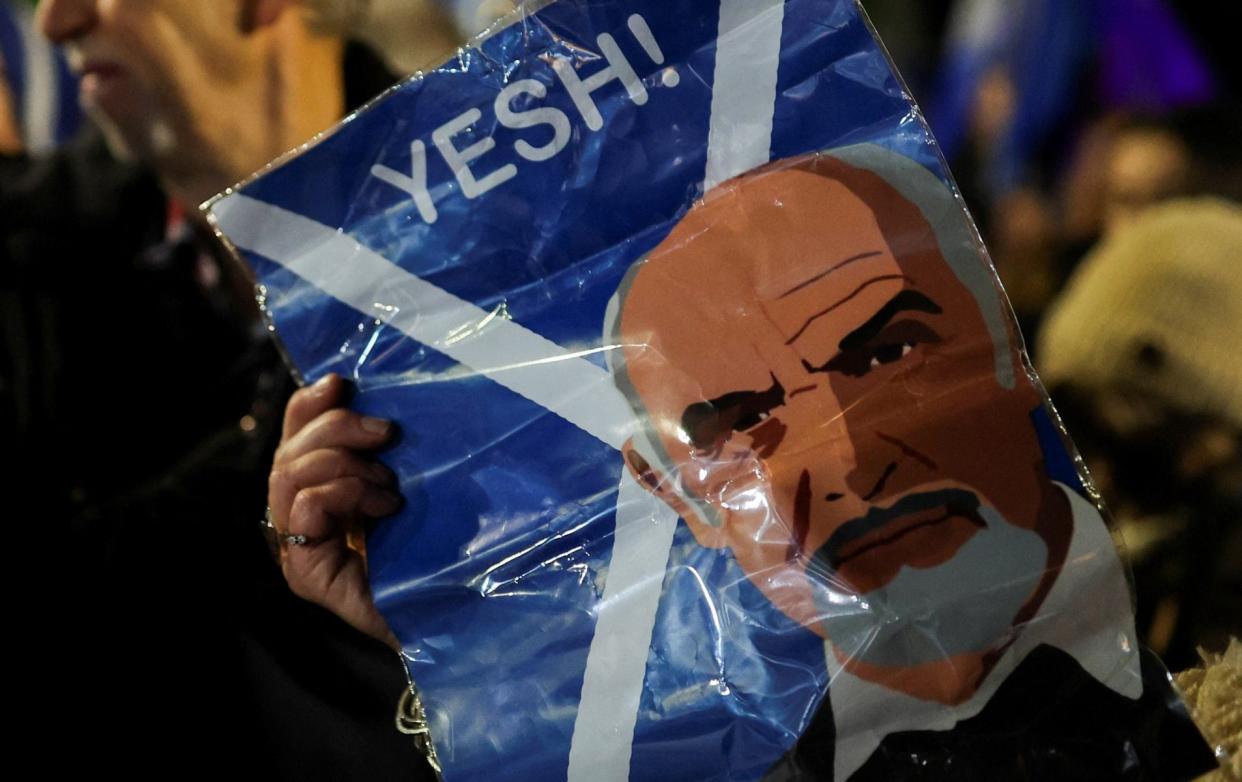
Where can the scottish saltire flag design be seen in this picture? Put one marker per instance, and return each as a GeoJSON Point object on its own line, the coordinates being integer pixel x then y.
{"type": "Point", "coordinates": [453, 248]}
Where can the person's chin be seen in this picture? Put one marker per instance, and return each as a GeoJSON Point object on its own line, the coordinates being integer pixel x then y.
{"type": "Point", "coordinates": [135, 137]}
{"type": "Point", "coordinates": [925, 619]}
{"type": "Point", "coordinates": [112, 92]}
{"type": "Point", "coordinates": [130, 122]}
{"type": "Point", "coordinates": [117, 141]}
{"type": "Point", "coordinates": [104, 88]}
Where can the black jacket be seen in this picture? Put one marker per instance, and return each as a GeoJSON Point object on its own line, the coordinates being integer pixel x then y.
{"type": "Point", "coordinates": [1049, 720]}
{"type": "Point", "coordinates": [140, 413]}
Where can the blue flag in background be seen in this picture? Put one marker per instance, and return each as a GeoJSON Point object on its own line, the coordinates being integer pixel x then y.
{"type": "Point", "coordinates": [1125, 55]}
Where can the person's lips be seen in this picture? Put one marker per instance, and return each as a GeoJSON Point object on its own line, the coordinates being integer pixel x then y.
{"type": "Point", "coordinates": [99, 78]}
{"type": "Point", "coordinates": [920, 530]}
{"type": "Point", "coordinates": [101, 69]}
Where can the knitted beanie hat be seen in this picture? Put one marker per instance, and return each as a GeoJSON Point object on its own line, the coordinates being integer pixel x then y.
{"type": "Point", "coordinates": [1157, 307]}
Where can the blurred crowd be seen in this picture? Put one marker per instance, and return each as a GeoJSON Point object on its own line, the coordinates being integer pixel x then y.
{"type": "Point", "coordinates": [1098, 144]}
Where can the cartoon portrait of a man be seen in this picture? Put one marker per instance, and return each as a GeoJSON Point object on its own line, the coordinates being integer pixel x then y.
{"type": "Point", "coordinates": [830, 388]}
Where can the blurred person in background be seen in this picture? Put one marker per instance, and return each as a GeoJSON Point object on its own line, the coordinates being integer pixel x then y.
{"type": "Point", "coordinates": [1127, 162]}
{"type": "Point", "coordinates": [1149, 162]}
{"type": "Point", "coordinates": [1140, 355]}
{"type": "Point", "coordinates": [1020, 86]}
{"type": "Point", "coordinates": [409, 34]}
{"type": "Point", "coordinates": [107, 274]}
{"type": "Point", "coordinates": [144, 398]}
{"type": "Point", "coordinates": [1018, 79]}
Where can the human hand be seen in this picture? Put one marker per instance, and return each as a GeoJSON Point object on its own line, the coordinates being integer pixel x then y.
{"type": "Point", "coordinates": [322, 489]}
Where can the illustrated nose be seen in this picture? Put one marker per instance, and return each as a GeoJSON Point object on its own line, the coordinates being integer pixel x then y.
{"type": "Point", "coordinates": [887, 473]}
{"type": "Point", "coordinates": [876, 488]}
{"type": "Point", "coordinates": [881, 463]}
{"type": "Point", "coordinates": [62, 21]}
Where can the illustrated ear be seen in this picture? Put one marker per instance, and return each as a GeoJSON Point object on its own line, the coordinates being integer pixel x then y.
{"type": "Point", "coordinates": [257, 14]}
{"type": "Point", "coordinates": [664, 487]}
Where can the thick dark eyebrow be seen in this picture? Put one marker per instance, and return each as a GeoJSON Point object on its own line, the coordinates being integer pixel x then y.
{"type": "Point", "coordinates": [906, 300]}
{"type": "Point", "coordinates": [825, 273]}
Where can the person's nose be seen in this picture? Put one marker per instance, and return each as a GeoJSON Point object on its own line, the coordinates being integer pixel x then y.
{"type": "Point", "coordinates": [62, 21]}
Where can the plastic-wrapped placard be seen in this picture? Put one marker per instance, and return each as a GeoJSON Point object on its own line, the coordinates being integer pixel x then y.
{"type": "Point", "coordinates": [722, 457]}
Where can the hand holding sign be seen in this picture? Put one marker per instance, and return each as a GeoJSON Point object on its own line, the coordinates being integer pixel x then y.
{"type": "Point", "coordinates": [320, 492]}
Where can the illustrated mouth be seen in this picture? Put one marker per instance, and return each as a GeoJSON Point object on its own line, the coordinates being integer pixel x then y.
{"type": "Point", "coordinates": [882, 527]}
{"type": "Point", "coordinates": [899, 529]}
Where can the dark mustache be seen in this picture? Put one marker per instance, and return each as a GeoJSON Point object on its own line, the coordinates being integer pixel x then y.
{"type": "Point", "coordinates": [957, 501]}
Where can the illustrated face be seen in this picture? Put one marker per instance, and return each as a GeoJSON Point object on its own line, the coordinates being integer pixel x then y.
{"type": "Point", "coordinates": [823, 399]}
{"type": "Point", "coordinates": [154, 72]}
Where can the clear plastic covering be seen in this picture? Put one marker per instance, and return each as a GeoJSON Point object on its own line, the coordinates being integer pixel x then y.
{"type": "Point", "coordinates": [722, 458]}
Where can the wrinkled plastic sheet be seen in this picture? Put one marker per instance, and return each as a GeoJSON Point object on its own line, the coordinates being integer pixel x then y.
{"type": "Point", "coordinates": [717, 429]}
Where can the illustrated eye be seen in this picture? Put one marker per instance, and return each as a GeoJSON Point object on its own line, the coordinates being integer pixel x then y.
{"type": "Point", "coordinates": [895, 343]}
{"type": "Point", "coordinates": [887, 354]}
